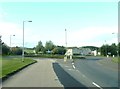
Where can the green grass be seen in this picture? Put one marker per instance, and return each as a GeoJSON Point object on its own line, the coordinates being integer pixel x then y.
{"type": "Point", "coordinates": [116, 60]}
{"type": "Point", "coordinates": [10, 65]}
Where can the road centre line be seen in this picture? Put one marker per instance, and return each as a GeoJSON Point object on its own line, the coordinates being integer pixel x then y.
{"type": "Point", "coordinates": [96, 85]}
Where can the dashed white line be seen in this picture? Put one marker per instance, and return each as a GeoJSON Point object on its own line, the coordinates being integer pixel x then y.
{"type": "Point", "coordinates": [96, 85]}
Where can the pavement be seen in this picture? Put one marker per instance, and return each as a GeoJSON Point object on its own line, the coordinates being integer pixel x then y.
{"type": "Point", "coordinates": [40, 74]}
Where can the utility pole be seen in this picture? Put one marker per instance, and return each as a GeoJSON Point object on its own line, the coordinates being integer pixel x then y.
{"type": "Point", "coordinates": [23, 41]}
{"type": "Point", "coordinates": [66, 37]}
{"type": "Point", "coordinates": [65, 58]}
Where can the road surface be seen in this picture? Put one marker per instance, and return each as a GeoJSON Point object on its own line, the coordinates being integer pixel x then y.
{"type": "Point", "coordinates": [48, 72]}
{"type": "Point", "coordinates": [92, 73]}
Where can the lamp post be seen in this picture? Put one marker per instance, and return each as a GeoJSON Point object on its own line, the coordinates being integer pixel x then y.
{"type": "Point", "coordinates": [66, 37]}
{"type": "Point", "coordinates": [23, 41]}
{"type": "Point", "coordinates": [10, 40]}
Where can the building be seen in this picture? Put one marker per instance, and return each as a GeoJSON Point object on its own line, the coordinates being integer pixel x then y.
{"type": "Point", "coordinates": [85, 51]}
{"type": "Point", "coordinates": [78, 51]}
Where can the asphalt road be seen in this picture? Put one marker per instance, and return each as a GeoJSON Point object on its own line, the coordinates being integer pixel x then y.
{"type": "Point", "coordinates": [84, 74]}
{"type": "Point", "coordinates": [91, 73]}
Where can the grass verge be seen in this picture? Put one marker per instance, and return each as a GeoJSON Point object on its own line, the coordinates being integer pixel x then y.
{"type": "Point", "coordinates": [116, 60]}
{"type": "Point", "coordinates": [11, 65]}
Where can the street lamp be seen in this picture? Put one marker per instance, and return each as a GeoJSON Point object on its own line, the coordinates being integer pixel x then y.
{"type": "Point", "coordinates": [10, 40]}
{"type": "Point", "coordinates": [23, 41]}
{"type": "Point", "coordinates": [66, 37]}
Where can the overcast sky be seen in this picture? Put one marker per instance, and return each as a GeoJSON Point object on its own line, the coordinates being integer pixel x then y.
{"type": "Point", "coordinates": [87, 23]}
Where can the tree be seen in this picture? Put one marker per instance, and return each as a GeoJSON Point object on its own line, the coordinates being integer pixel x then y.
{"type": "Point", "coordinates": [118, 48]}
{"type": "Point", "coordinates": [16, 50]}
{"type": "Point", "coordinates": [49, 46]}
{"type": "Point", "coordinates": [102, 49]}
{"type": "Point", "coordinates": [59, 50]}
{"type": "Point", "coordinates": [39, 47]}
{"type": "Point", "coordinates": [113, 49]}
{"type": "Point", "coordinates": [109, 50]}
{"type": "Point", "coordinates": [5, 49]}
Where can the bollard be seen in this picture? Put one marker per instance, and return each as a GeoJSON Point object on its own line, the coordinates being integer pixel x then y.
{"type": "Point", "coordinates": [113, 55]}
{"type": "Point", "coordinates": [71, 57]}
{"type": "Point", "coordinates": [65, 58]}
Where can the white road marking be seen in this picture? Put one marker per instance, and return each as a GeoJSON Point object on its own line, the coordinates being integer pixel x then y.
{"type": "Point", "coordinates": [96, 85]}
{"type": "Point", "coordinates": [74, 66]}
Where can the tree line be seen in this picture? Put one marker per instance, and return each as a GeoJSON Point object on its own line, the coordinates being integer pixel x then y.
{"type": "Point", "coordinates": [51, 48]}
{"type": "Point", "coordinates": [110, 50]}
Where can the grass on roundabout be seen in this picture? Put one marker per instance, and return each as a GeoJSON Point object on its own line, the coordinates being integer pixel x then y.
{"type": "Point", "coordinates": [9, 65]}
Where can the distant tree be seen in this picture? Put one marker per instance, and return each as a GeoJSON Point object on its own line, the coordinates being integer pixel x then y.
{"type": "Point", "coordinates": [16, 50]}
{"type": "Point", "coordinates": [103, 49]}
{"type": "Point", "coordinates": [49, 46]}
{"type": "Point", "coordinates": [39, 47]}
{"type": "Point", "coordinates": [5, 49]}
{"type": "Point", "coordinates": [118, 48]}
{"type": "Point", "coordinates": [113, 49]}
{"type": "Point", "coordinates": [109, 50]}
{"type": "Point", "coordinates": [59, 50]}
